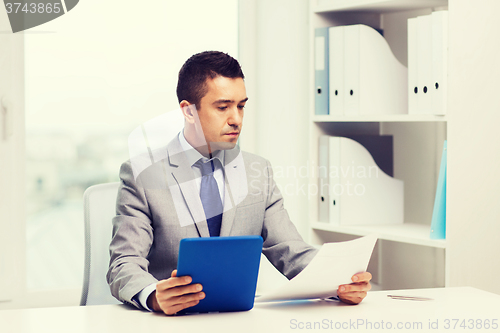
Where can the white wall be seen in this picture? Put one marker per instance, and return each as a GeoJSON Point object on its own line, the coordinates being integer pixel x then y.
{"type": "Point", "coordinates": [247, 57]}
{"type": "Point", "coordinates": [274, 47]}
{"type": "Point", "coordinates": [473, 193]}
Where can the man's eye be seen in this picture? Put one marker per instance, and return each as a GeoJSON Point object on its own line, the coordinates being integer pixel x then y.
{"type": "Point", "coordinates": [222, 108]}
{"type": "Point", "coordinates": [241, 107]}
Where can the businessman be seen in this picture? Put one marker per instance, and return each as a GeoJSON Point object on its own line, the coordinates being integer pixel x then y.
{"type": "Point", "coordinates": [203, 186]}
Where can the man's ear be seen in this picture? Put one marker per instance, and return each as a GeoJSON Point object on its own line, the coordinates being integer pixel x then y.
{"type": "Point", "coordinates": [188, 110]}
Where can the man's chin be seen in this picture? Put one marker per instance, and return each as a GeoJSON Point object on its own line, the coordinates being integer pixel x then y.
{"type": "Point", "coordinates": [222, 145]}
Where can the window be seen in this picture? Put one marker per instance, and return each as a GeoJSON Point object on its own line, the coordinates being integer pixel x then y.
{"type": "Point", "coordinates": [92, 76]}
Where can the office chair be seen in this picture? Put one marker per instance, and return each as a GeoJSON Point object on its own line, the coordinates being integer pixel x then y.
{"type": "Point", "coordinates": [99, 208]}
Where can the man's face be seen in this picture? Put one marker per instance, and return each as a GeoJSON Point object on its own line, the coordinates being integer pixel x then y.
{"type": "Point", "coordinates": [221, 111]}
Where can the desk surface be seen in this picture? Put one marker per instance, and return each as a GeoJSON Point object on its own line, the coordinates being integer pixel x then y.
{"type": "Point", "coordinates": [465, 309]}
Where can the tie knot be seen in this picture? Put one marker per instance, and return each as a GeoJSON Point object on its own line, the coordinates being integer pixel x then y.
{"type": "Point", "coordinates": [206, 167]}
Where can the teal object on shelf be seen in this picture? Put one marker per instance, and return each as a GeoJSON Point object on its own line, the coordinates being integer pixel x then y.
{"type": "Point", "coordinates": [438, 225]}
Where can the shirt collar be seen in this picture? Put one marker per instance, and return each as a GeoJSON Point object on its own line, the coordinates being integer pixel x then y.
{"type": "Point", "coordinates": [193, 155]}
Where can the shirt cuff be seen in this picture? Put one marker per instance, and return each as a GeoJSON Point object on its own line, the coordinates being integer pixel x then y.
{"type": "Point", "coordinates": [144, 294]}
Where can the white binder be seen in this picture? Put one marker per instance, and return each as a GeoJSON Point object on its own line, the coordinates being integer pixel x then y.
{"type": "Point", "coordinates": [360, 193]}
{"type": "Point", "coordinates": [412, 67]}
{"type": "Point", "coordinates": [352, 50]}
{"type": "Point", "coordinates": [383, 79]}
{"type": "Point", "coordinates": [321, 91]}
{"type": "Point", "coordinates": [323, 180]}
{"type": "Point", "coordinates": [336, 64]}
{"type": "Point", "coordinates": [424, 64]}
{"type": "Point", "coordinates": [335, 182]}
{"type": "Point", "coordinates": [374, 81]}
{"type": "Point", "coordinates": [439, 61]}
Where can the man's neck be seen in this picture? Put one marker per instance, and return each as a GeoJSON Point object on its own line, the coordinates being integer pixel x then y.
{"type": "Point", "coordinates": [203, 149]}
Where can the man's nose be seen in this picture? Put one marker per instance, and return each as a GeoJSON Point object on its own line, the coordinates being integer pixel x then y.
{"type": "Point", "coordinates": [235, 117]}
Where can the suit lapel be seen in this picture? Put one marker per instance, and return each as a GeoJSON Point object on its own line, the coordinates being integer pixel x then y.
{"type": "Point", "coordinates": [185, 180]}
{"type": "Point", "coordinates": [235, 187]}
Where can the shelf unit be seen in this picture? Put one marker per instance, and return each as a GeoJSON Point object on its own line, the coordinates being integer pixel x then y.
{"type": "Point", "coordinates": [378, 6]}
{"type": "Point", "coordinates": [418, 143]}
{"type": "Point", "coordinates": [386, 118]}
{"type": "Point", "coordinates": [410, 233]}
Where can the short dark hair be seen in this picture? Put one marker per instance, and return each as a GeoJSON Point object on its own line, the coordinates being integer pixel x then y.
{"type": "Point", "coordinates": [195, 71]}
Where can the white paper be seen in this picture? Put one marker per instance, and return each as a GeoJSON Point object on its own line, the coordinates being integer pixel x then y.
{"type": "Point", "coordinates": [335, 264]}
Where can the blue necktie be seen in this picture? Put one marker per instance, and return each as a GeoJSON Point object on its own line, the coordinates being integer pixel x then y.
{"type": "Point", "coordinates": [210, 197]}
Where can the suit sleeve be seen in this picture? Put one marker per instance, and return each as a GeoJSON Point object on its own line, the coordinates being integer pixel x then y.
{"type": "Point", "coordinates": [131, 241]}
{"type": "Point", "coordinates": [283, 245]}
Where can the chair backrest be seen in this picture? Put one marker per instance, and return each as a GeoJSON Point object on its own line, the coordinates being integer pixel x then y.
{"type": "Point", "coordinates": [99, 208]}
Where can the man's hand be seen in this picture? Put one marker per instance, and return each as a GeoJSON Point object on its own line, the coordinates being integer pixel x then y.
{"type": "Point", "coordinates": [175, 294]}
{"type": "Point", "coordinates": [355, 292]}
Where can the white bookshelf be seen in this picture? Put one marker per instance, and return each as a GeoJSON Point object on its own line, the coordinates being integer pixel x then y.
{"type": "Point", "coordinates": [388, 118]}
{"type": "Point", "coordinates": [410, 233]}
{"type": "Point", "coordinates": [470, 126]}
{"type": "Point", "coordinates": [378, 6]}
{"type": "Point", "coordinates": [417, 150]}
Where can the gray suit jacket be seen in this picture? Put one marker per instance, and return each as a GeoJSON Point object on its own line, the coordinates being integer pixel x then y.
{"type": "Point", "coordinates": [161, 206]}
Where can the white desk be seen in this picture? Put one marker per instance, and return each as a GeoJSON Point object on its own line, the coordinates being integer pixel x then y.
{"type": "Point", "coordinates": [448, 304]}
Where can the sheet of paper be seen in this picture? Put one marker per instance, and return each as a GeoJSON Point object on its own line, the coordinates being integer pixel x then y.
{"type": "Point", "coordinates": [334, 265]}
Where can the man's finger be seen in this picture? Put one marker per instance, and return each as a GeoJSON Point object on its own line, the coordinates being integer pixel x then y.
{"type": "Point", "coordinates": [182, 290]}
{"type": "Point", "coordinates": [173, 282]}
{"type": "Point", "coordinates": [351, 301]}
{"type": "Point", "coordinates": [178, 300]}
{"type": "Point", "coordinates": [361, 277]}
{"type": "Point", "coordinates": [174, 309]}
{"type": "Point", "coordinates": [352, 297]}
{"type": "Point", "coordinates": [355, 295]}
{"type": "Point", "coordinates": [188, 298]}
{"type": "Point", "coordinates": [363, 286]}
{"type": "Point", "coordinates": [174, 273]}
{"type": "Point", "coordinates": [172, 305]}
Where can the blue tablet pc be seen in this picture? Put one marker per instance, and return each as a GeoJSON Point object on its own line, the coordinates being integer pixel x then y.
{"type": "Point", "coordinates": [226, 267]}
